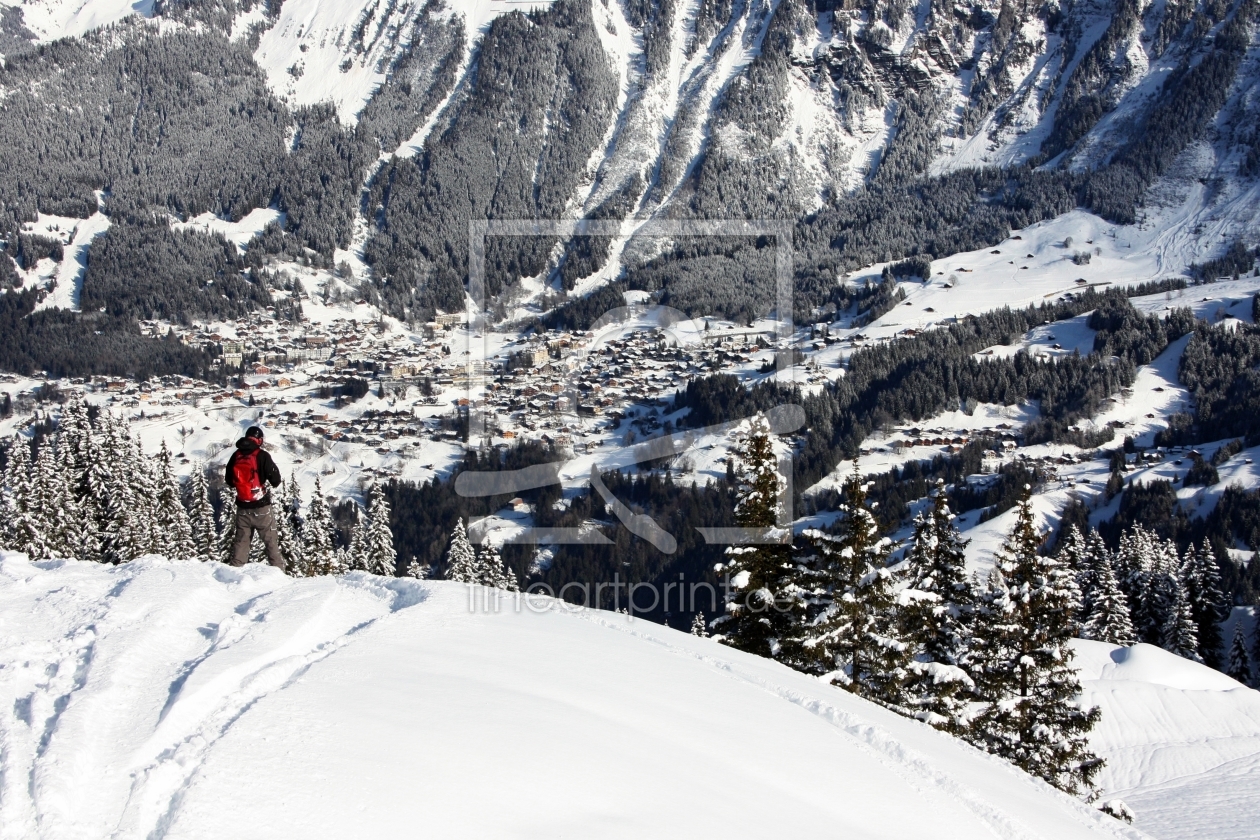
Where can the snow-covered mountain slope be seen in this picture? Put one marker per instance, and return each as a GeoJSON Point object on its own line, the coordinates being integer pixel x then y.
{"type": "Point", "coordinates": [1182, 741]}
{"type": "Point", "coordinates": [316, 51]}
{"type": "Point", "coordinates": [48, 20]}
{"type": "Point", "coordinates": [195, 700]}
{"type": "Point", "coordinates": [758, 109]}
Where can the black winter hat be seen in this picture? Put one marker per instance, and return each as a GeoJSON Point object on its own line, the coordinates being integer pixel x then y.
{"type": "Point", "coordinates": [254, 432]}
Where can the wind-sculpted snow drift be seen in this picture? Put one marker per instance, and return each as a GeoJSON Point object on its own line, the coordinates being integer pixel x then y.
{"type": "Point", "coordinates": [161, 699]}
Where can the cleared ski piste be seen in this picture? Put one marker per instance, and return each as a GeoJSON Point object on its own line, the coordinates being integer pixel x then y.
{"type": "Point", "coordinates": [161, 699]}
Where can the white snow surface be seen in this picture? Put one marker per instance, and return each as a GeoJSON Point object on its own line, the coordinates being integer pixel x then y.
{"type": "Point", "coordinates": [53, 19]}
{"type": "Point", "coordinates": [166, 700]}
{"type": "Point", "coordinates": [1182, 741]}
{"type": "Point", "coordinates": [76, 236]}
{"type": "Point", "coordinates": [310, 54]}
{"type": "Point", "coordinates": [238, 233]}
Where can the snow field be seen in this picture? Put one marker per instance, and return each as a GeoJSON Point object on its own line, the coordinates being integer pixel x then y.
{"type": "Point", "coordinates": [238, 233]}
{"type": "Point", "coordinates": [1182, 741]}
{"type": "Point", "coordinates": [160, 699]}
{"type": "Point", "coordinates": [50, 20]}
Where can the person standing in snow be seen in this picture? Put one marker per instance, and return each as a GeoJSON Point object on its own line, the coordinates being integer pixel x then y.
{"type": "Point", "coordinates": [249, 471]}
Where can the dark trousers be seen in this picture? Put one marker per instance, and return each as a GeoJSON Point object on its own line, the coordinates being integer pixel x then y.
{"type": "Point", "coordinates": [260, 520]}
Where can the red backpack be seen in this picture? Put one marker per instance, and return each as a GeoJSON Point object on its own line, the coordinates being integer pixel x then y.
{"type": "Point", "coordinates": [246, 479]}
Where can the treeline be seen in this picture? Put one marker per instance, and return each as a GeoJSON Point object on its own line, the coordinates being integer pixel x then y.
{"type": "Point", "coordinates": [986, 659]}
{"type": "Point", "coordinates": [1238, 260]}
{"type": "Point", "coordinates": [83, 489]}
{"type": "Point", "coordinates": [1153, 506]}
{"type": "Point", "coordinates": [1218, 369]}
{"type": "Point", "coordinates": [65, 343]}
{"type": "Point", "coordinates": [150, 271]}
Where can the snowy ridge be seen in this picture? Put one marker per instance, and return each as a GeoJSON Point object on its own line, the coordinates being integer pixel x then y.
{"type": "Point", "coordinates": [145, 696]}
{"type": "Point", "coordinates": [1182, 741]}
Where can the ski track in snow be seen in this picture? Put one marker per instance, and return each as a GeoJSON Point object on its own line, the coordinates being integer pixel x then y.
{"type": "Point", "coordinates": [115, 640]}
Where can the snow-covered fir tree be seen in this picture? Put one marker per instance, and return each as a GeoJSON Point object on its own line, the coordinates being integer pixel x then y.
{"type": "Point", "coordinates": [417, 570]}
{"type": "Point", "coordinates": [1107, 617]}
{"type": "Point", "coordinates": [378, 540]}
{"type": "Point", "coordinates": [288, 514]}
{"type": "Point", "coordinates": [763, 606]}
{"type": "Point", "coordinates": [317, 536]}
{"type": "Point", "coordinates": [21, 524]}
{"type": "Point", "coordinates": [53, 507]}
{"type": "Point", "coordinates": [227, 525]}
{"type": "Point", "coordinates": [173, 533]}
{"type": "Point", "coordinates": [98, 479]}
{"type": "Point", "coordinates": [1022, 664]}
{"type": "Point", "coordinates": [461, 560]}
{"type": "Point", "coordinates": [936, 607]}
{"type": "Point", "coordinates": [142, 491]}
{"type": "Point", "coordinates": [75, 443]}
{"type": "Point", "coordinates": [698, 626]}
{"type": "Point", "coordinates": [1133, 564]}
{"type": "Point", "coordinates": [1238, 663]}
{"type": "Point", "coordinates": [354, 556]}
{"type": "Point", "coordinates": [1164, 590]}
{"type": "Point", "coordinates": [857, 638]}
{"type": "Point", "coordinates": [1201, 578]}
{"type": "Point", "coordinates": [1087, 578]}
{"type": "Point", "coordinates": [201, 515]}
{"type": "Point", "coordinates": [492, 571]}
{"type": "Point", "coordinates": [1180, 635]}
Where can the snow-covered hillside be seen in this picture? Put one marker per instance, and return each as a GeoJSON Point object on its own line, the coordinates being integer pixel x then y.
{"type": "Point", "coordinates": [157, 699]}
{"type": "Point", "coordinates": [1182, 741]}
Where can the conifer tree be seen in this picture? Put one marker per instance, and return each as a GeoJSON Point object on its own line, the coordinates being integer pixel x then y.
{"type": "Point", "coordinates": [1135, 563]}
{"type": "Point", "coordinates": [378, 539]}
{"type": "Point", "coordinates": [937, 602]}
{"type": "Point", "coordinates": [288, 508]}
{"type": "Point", "coordinates": [461, 561]}
{"type": "Point", "coordinates": [1180, 636]}
{"type": "Point", "coordinates": [201, 515]}
{"type": "Point", "coordinates": [416, 570]}
{"type": "Point", "coordinates": [1076, 553]}
{"type": "Point", "coordinates": [763, 607]}
{"type": "Point", "coordinates": [21, 524]}
{"type": "Point", "coordinates": [52, 507]}
{"type": "Point", "coordinates": [1030, 711]}
{"type": "Point", "coordinates": [124, 537]}
{"type": "Point", "coordinates": [1238, 665]}
{"type": "Point", "coordinates": [1201, 578]}
{"type": "Point", "coordinates": [354, 558]}
{"type": "Point", "coordinates": [317, 536]}
{"type": "Point", "coordinates": [698, 626]}
{"type": "Point", "coordinates": [173, 528]}
{"type": "Point", "coordinates": [142, 493]}
{"type": "Point", "coordinates": [492, 571]}
{"type": "Point", "coordinates": [859, 633]}
{"type": "Point", "coordinates": [98, 479]}
{"type": "Point", "coordinates": [227, 525]}
{"type": "Point", "coordinates": [1108, 617]}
